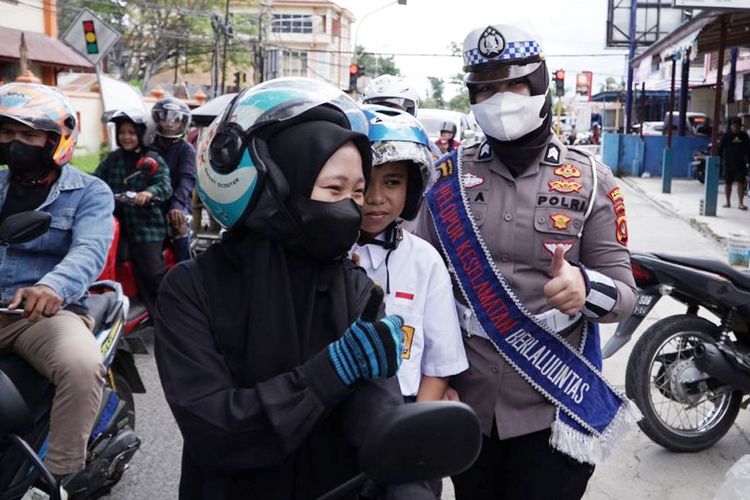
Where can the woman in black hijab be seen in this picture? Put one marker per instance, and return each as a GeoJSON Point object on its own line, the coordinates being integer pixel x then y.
{"type": "Point", "coordinates": [257, 340]}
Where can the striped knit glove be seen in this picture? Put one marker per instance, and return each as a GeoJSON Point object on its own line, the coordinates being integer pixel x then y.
{"type": "Point", "coordinates": [369, 348]}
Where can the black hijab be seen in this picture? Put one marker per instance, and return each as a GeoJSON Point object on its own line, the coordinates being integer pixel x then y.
{"type": "Point", "coordinates": [273, 306]}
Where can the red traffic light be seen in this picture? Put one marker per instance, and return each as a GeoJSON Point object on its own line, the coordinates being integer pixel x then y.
{"type": "Point", "coordinates": [560, 74]}
{"type": "Point", "coordinates": [353, 69]}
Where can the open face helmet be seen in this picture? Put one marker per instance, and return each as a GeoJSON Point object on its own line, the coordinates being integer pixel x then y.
{"type": "Point", "coordinates": [42, 108]}
{"type": "Point", "coordinates": [131, 115]}
{"type": "Point", "coordinates": [392, 91]}
{"type": "Point", "coordinates": [448, 126]}
{"type": "Point", "coordinates": [397, 136]}
{"type": "Point", "coordinates": [504, 53]}
{"type": "Point", "coordinates": [238, 181]}
{"type": "Point", "coordinates": [171, 116]}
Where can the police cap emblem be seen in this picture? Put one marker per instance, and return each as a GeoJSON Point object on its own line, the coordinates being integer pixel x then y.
{"type": "Point", "coordinates": [491, 43]}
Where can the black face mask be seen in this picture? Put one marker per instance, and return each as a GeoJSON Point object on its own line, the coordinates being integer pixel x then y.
{"type": "Point", "coordinates": [25, 161]}
{"type": "Point", "coordinates": [329, 229]}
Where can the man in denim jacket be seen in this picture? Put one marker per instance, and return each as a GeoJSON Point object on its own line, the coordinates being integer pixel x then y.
{"type": "Point", "coordinates": [49, 276]}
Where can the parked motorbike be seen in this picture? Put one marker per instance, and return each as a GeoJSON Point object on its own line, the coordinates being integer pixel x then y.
{"type": "Point", "coordinates": [416, 442]}
{"type": "Point", "coordinates": [26, 397]}
{"type": "Point", "coordinates": [698, 164]}
{"type": "Point", "coordinates": [686, 373]}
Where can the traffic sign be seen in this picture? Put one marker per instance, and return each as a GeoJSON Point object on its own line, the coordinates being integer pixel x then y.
{"type": "Point", "coordinates": [90, 36]}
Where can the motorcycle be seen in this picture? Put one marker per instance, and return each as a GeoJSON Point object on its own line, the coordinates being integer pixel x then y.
{"type": "Point", "coordinates": [119, 267]}
{"type": "Point", "coordinates": [698, 164]}
{"type": "Point", "coordinates": [26, 397]}
{"type": "Point", "coordinates": [416, 442]}
{"type": "Point", "coordinates": [686, 373]}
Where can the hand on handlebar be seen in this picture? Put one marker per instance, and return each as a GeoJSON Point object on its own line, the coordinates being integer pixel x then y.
{"type": "Point", "coordinates": [143, 198]}
{"type": "Point", "coordinates": [39, 300]}
{"type": "Point", "coordinates": [370, 348]}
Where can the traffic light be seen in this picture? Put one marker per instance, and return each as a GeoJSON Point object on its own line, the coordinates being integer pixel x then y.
{"type": "Point", "coordinates": [560, 82]}
{"type": "Point", "coordinates": [89, 35]}
{"type": "Point", "coordinates": [355, 71]}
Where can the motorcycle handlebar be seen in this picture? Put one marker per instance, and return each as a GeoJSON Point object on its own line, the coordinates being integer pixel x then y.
{"type": "Point", "coordinates": [128, 198]}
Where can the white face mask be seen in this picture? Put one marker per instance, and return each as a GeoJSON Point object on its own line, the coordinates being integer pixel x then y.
{"type": "Point", "coordinates": [507, 116]}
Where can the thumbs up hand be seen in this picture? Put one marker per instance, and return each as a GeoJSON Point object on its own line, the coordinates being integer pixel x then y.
{"type": "Point", "coordinates": [566, 291]}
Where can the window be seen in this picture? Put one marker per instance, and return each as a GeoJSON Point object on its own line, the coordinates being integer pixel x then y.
{"type": "Point", "coordinates": [294, 63]}
{"type": "Point", "coordinates": [292, 23]}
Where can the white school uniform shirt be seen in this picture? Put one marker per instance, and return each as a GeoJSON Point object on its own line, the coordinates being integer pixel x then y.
{"type": "Point", "coordinates": [421, 293]}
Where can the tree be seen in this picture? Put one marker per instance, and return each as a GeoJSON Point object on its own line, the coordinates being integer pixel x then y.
{"type": "Point", "coordinates": [436, 99]}
{"type": "Point", "coordinates": [155, 33]}
{"type": "Point", "coordinates": [376, 66]}
{"type": "Point", "coordinates": [610, 84]}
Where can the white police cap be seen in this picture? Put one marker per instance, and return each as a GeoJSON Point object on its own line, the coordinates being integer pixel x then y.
{"type": "Point", "coordinates": [500, 52]}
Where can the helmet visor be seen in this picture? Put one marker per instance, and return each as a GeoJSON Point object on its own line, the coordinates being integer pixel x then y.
{"type": "Point", "coordinates": [501, 72]}
{"type": "Point", "coordinates": [172, 123]}
{"type": "Point", "coordinates": [402, 103]}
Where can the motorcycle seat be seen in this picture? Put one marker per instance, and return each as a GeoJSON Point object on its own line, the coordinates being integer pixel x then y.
{"type": "Point", "coordinates": [739, 278]}
{"type": "Point", "coordinates": [99, 305]}
{"type": "Point", "coordinates": [35, 389]}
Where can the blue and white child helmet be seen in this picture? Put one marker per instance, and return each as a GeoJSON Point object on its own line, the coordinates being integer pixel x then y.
{"type": "Point", "coordinates": [234, 178]}
{"type": "Point", "coordinates": [396, 135]}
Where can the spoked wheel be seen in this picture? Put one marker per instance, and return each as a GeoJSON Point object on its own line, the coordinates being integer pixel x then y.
{"type": "Point", "coordinates": [684, 409]}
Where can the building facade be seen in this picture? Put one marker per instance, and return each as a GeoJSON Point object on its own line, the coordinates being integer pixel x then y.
{"type": "Point", "coordinates": [47, 56]}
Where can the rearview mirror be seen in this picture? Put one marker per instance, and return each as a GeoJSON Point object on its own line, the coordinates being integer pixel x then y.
{"type": "Point", "coordinates": [421, 441]}
{"type": "Point", "coordinates": [24, 226]}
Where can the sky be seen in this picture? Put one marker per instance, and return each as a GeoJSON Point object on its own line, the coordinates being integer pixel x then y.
{"type": "Point", "coordinates": [565, 27]}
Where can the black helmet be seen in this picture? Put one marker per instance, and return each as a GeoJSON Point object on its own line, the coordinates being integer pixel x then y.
{"type": "Point", "coordinates": [134, 116]}
{"type": "Point", "coordinates": [171, 117]}
{"type": "Point", "coordinates": [734, 120]}
{"type": "Point", "coordinates": [448, 126]}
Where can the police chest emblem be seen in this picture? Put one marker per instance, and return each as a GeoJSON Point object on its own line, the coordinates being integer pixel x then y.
{"type": "Point", "coordinates": [470, 180]}
{"type": "Point", "coordinates": [568, 171]}
{"type": "Point", "coordinates": [560, 221]}
{"type": "Point", "coordinates": [565, 186]}
{"type": "Point", "coordinates": [491, 43]}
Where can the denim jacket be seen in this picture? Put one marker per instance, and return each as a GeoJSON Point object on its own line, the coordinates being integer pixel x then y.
{"type": "Point", "coordinates": [71, 255]}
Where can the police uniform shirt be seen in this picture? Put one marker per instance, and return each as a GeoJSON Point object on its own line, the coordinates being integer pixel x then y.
{"type": "Point", "coordinates": [421, 293]}
{"type": "Point", "coordinates": [522, 220]}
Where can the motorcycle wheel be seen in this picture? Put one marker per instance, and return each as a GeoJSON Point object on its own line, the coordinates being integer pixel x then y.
{"type": "Point", "coordinates": [701, 175]}
{"type": "Point", "coordinates": [676, 417]}
{"type": "Point", "coordinates": [125, 393]}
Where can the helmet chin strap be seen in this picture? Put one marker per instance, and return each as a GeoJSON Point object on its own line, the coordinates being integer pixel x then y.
{"type": "Point", "coordinates": [393, 236]}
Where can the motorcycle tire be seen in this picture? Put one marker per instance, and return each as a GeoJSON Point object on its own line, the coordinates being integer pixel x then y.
{"type": "Point", "coordinates": [126, 395]}
{"type": "Point", "coordinates": [701, 175]}
{"type": "Point", "coordinates": [638, 385]}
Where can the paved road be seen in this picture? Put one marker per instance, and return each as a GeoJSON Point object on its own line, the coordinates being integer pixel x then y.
{"type": "Point", "coordinates": [638, 468]}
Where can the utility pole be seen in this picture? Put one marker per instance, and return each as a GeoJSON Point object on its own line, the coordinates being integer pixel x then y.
{"type": "Point", "coordinates": [226, 32]}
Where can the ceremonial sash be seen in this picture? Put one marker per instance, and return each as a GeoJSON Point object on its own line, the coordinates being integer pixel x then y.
{"type": "Point", "coordinates": [591, 415]}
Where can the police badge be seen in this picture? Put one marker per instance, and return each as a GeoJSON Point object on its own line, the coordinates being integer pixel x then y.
{"type": "Point", "coordinates": [491, 43]}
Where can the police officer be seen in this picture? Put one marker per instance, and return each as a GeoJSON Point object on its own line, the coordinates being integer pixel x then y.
{"type": "Point", "coordinates": [552, 222]}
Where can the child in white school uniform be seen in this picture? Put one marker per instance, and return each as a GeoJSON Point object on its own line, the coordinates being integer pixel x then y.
{"type": "Point", "coordinates": [412, 273]}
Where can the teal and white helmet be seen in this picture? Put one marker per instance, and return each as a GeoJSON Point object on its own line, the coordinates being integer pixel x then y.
{"type": "Point", "coordinates": [237, 178]}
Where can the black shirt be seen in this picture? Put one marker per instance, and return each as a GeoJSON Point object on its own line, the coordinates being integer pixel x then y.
{"type": "Point", "coordinates": [20, 198]}
{"type": "Point", "coordinates": [734, 149]}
